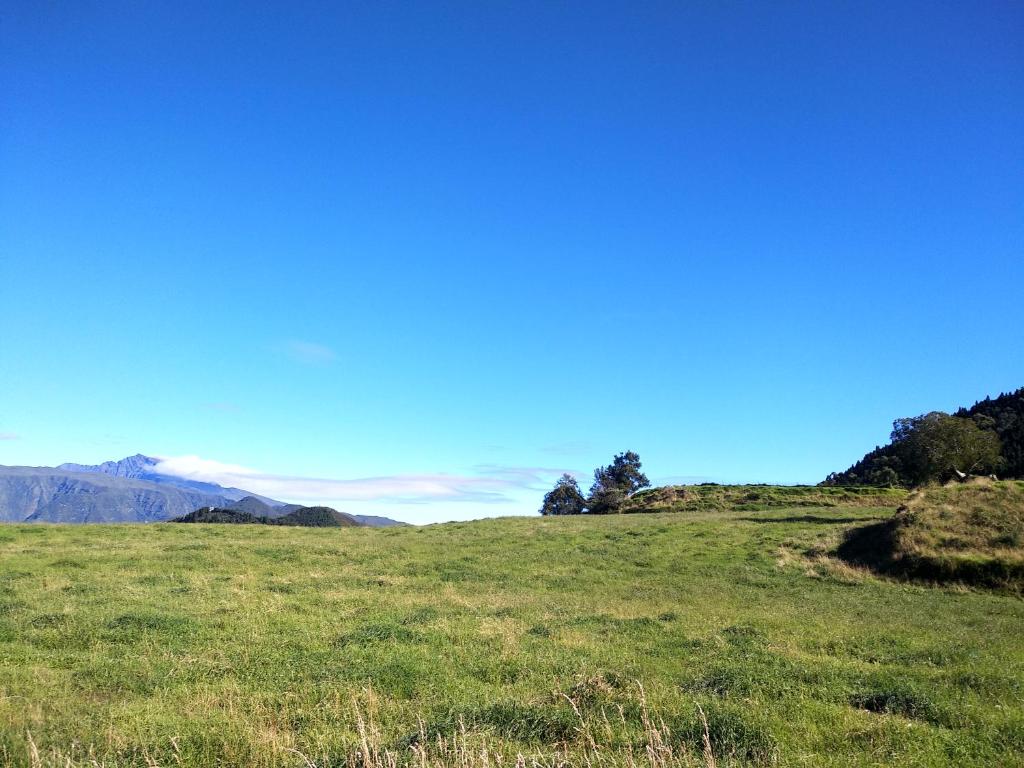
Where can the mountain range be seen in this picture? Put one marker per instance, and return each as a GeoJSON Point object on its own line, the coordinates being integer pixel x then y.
{"type": "Point", "coordinates": [127, 491]}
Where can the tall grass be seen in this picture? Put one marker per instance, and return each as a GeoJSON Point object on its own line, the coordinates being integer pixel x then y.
{"type": "Point", "coordinates": [592, 744]}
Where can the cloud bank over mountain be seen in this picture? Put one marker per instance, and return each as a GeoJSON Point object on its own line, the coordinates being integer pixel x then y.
{"type": "Point", "coordinates": [487, 484]}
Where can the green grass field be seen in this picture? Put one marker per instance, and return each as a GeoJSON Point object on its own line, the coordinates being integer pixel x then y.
{"type": "Point", "coordinates": [471, 643]}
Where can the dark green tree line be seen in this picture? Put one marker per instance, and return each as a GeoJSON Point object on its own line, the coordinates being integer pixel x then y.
{"type": "Point", "coordinates": [987, 437]}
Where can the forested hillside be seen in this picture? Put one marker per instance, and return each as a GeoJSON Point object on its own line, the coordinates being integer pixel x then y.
{"type": "Point", "coordinates": [308, 517]}
{"type": "Point", "coordinates": [1002, 416]}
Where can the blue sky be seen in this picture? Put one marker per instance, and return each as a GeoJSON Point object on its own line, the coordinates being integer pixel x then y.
{"type": "Point", "coordinates": [431, 254]}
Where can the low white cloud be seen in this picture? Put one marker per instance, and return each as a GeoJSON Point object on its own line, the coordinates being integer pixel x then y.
{"type": "Point", "coordinates": [309, 352]}
{"type": "Point", "coordinates": [489, 484]}
{"type": "Point", "coordinates": [197, 468]}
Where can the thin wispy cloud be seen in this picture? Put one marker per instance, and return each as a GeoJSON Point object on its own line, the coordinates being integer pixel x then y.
{"type": "Point", "coordinates": [489, 484]}
{"type": "Point", "coordinates": [567, 447]}
{"type": "Point", "coordinates": [532, 478]}
{"type": "Point", "coordinates": [9, 436]}
{"type": "Point", "coordinates": [309, 352]}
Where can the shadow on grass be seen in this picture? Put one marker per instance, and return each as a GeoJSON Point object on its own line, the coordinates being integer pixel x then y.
{"type": "Point", "coordinates": [878, 547]}
{"type": "Point", "coordinates": [873, 546]}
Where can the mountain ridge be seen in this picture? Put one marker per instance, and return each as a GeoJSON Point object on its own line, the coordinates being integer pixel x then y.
{"type": "Point", "coordinates": [142, 467]}
{"type": "Point", "coordinates": [47, 494]}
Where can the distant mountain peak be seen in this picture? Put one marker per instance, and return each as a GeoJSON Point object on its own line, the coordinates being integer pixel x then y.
{"type": "Point", "coordinates": [136, 466]}
{"type": "Point", "coordinates": [142, 467]}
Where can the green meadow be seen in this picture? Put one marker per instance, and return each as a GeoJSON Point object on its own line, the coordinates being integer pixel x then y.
{"type": "Point", "coordinates": [721, 637]}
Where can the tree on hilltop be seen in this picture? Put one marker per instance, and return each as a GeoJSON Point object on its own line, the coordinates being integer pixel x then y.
{"type": "Point", "coordinates": [616, 483]}
{"type": "Point", "coordinates": [612, 486]}
{"type": "Point", "coordinates": [937, 446]}
{"type": "Point", "coordinates": [565, 498]}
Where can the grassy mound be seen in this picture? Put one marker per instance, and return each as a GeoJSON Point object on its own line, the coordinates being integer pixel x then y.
{"type": "Point", "coordinates": [711, 497]}
{"type": "Point", "coordinates": [970, 532]}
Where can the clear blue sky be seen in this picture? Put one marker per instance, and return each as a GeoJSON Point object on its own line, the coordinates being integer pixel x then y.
{"type": "Point", "coordinates": [476, 243]}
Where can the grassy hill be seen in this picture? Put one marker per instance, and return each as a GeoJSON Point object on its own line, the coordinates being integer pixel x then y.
{"type": "Point", "coordinates": [971, 532]}
{"type": "Point", "coordinates": [201, 645]}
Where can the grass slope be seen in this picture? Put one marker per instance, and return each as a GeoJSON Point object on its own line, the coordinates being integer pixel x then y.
{"type": "Point", "coordinates": [969, 532]}
{"type": "Point", "coordinates": [714, 497]}
{"type": "Point", "coordinates": [202, 645]}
